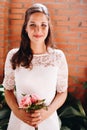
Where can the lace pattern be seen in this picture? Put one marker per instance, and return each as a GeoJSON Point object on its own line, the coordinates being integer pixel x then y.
{"type": "Point", "coordinates": [9, 81]}
{"type": "Point", "coordinates": [52, 58]}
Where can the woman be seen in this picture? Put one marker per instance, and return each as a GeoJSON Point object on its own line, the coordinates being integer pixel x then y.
{"type": "Point", "coordinates": [36, 68]}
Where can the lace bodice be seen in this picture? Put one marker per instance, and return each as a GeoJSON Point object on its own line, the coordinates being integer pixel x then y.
{"type": "Point", "coordinates": [53, 58]}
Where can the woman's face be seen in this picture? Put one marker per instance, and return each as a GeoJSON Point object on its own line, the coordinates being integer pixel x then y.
{"type": "Point", "coordinates": [37, 28]}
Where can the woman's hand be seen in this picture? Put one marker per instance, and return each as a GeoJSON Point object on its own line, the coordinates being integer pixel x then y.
{"type": "Point", "coordinates": [43, 114]}
{"type": "Point", "coordinates": [31, 118]}
{"type": "Point", "coordinates": [36, 117]}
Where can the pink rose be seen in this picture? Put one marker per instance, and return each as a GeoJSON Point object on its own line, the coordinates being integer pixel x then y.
{"type": "Point", "coordinates": [34, 98]}
{"type": "Point", "coordinates": [25, 102]}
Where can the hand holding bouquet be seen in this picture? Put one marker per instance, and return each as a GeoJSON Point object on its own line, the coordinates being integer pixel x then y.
{"type": "Point", "coordinates": [30, 103]}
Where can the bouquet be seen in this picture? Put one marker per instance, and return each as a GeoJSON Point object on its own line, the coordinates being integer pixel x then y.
{"type": "Point", "coordinates": [32, 102]}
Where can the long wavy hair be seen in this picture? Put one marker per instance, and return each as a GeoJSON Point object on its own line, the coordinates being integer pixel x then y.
{"type": "Point", "coordinates": [24, 55]}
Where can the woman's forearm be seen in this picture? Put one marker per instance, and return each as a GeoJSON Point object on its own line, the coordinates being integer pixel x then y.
{"type": "Point", "coordinates": [56, 104]}
{"type": "Point", "coordinates": [58, 101]}
{"type": "Point", "coordinates": [11, 99]}
{"type": "Point", "coordinates": [20, 113]}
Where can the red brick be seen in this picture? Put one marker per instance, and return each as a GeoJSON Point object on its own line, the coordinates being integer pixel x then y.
{"type": "Point", "coordinates": [84, 12]}
{"type": "Point", "coordinates": [85, 1]}
{"type": "Point", "coordinates": [71, 89]}
{"type": "Point", "coordinates": [83, 47]}
{"type": "Point", "coordinates": [3, 21]}
{"type": "Point", "coordinates": [14, 38]}
{"type": "Point", "coordinates": [81, 72]}
{"type": "Point", "coordinates": [14, 44]}
{"type": "Point", "coordinates": [84, 24]}
{"type": "Point", "coordinates": [4, 10]}
{"type": "Point", "coordinates": [2, 15]}
{"type": "Point", "coordinates": [68, 12]}
{"type": "Point", "coordinates": [18, 11]}
{"type": "Point", "coordinates": [43, 1]}
{"type": "Point", "coordinates": [1, 38]}
{"type": "Point", "coordinates": [73, 1]}
{"type": "Point", "coordinates": [14, 33]}
{"type": "Point", "coordinates": [1, 52]}
{"type": "Point", "coordinates": [61, 18]}
{"type": "Point", "coordinates": [67, 46]}
{"type": "Point", "coordinates": [16, 5]}
{"type": "Point", "coordinates": [71, 58]}
{"type": "Point", "coordinates": [77, 63]}
{"type": "Point", "coordinates": [67, 34]}
{"type": "Point", "coordinates": [57, 6]}
{"type": "Point", "coordinates": [1, 70]}
{"type": "Point", "coordinates": [27, 5]}
{"type": "Point", "coordinates": [67, 23]}
{"type": "Point", "coordinates": [84, 35]}
{"type": "Point", "coordinates": [81, 6]}
{"type": "Point", "coordinates": [3, 32]}
{"type": "Point", "coordinates": [79, 18]}
{"type": "Point", "coordinates": [60, 40]}
{"type": "Point", "coordinates": [19, 1]}
{"type": "Point", "coordinates": [16, 16]}
{"type": "Point", "coordinates": [77, 40]}
{"type": "Point", "coordinates": [76, 51]}
{"type": "Point", "coordinates": [83, 58]}
{"type": "Point", "coordinates": [2, 26]}
{"type": "Point", "coordinates": [16, 22]}
{"type": "Point", "coordinates": [2, 3]}
{"type": "Point", "coordinates": [61, 28]}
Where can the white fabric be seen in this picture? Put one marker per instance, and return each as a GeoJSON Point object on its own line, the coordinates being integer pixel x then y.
{"type": "Point", "coordinates": [48, 76]}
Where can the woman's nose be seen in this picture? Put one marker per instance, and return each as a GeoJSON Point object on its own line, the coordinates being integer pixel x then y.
{"type": "Point", "coordinates": [38, 28]}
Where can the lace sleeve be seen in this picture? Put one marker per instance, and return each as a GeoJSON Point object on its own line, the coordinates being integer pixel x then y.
{"type": "Point", "coordinates": [62, 78]}
{"type": "Point", "coordinates": [8, 81]}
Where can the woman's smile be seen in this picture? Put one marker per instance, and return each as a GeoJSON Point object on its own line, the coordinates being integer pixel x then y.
{"type": "Point", "coordinates": [38, 36]}
{"type": "Point", "coordinates": [37, 27]}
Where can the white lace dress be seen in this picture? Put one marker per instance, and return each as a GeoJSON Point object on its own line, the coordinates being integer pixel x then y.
{"type": "Point", "coordinates": [48, 76]}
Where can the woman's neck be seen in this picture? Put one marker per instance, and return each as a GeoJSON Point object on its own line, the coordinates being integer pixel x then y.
{"type": "Point", "coordinates": [41, 49]}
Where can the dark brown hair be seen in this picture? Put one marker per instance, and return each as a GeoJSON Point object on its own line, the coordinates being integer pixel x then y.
{"type": "Point", "coordinates": [24, 55]}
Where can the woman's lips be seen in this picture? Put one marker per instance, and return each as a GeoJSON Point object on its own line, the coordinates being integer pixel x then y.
{"type": "Point", "coordinates": [38, 36]}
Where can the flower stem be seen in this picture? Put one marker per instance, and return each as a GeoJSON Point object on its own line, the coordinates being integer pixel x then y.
{"type": "Point", "coordinates": [36, 128]}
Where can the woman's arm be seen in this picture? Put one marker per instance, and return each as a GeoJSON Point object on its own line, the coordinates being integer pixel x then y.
{"type": "Point", "coordinates": [56, 104]}
{"type": "Point", "coordinates": [58, 101]}
{"type": "Point", "coordinates": [29, 118]}
{"type": "Point", "coordinates": [38, 116]}
{"type": "Point", "coordinates": [11, 99]}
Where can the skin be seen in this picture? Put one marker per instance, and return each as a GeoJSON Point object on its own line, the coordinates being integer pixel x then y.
{"type": "Point", "coordinates": [37, 29]}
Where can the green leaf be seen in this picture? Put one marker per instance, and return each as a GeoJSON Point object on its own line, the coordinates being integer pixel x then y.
{"type": "Point", "coordinates": [70, 112]}
{"type": "Point", "coordinates": [1, 86]}
{"type": "Point", "coordinates": [4, 113]}
{"type": "Point", "coordinates": [3, 122]}
{"type": "Point", "coordinates": [65, 128]}
{"type": "Point", "coordinates": [85, 85]}
{"type": "Point", "coordinates": [81, 109]}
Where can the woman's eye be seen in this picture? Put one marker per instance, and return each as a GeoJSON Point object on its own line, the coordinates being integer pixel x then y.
{"type": "Point", "coordinates": [44, 25]}
{"type": "Point", "coordinates": [32, 25]}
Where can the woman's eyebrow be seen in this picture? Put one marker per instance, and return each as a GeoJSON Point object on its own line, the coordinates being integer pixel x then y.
{"type": "Point", "coordinates": [35, 22]}
{"type": "Point", "coordinates": [32, 22]}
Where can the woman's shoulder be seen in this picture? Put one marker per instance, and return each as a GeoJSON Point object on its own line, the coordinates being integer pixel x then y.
{"type": "Point", "coordinates": [12, 52]}
{"type": "Point", "coordinates": [57, 52]}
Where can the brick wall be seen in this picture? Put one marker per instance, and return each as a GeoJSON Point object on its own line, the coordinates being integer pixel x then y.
{"type": "Point", "coordinates": [4, 33]}
{"type": "Point", "coordinates": [69, 20]}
